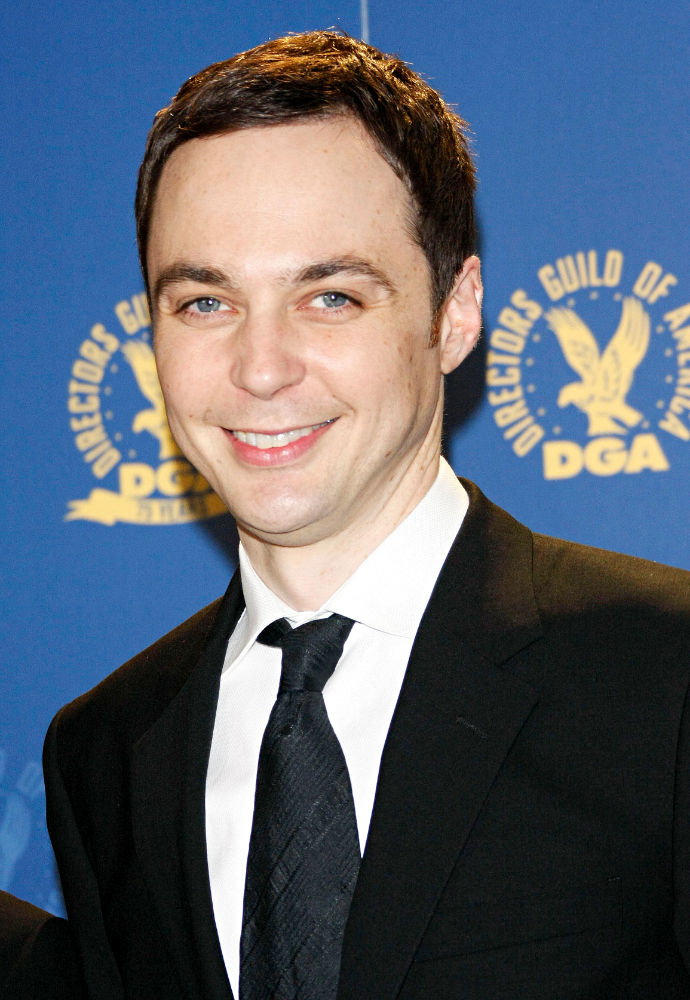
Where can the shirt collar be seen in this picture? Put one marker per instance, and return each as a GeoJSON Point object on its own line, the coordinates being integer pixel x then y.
{"type": "Point", "coordinates": [389, 590]}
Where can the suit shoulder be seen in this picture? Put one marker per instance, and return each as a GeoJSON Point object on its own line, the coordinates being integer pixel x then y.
{"type": "Point", "coordinates": [565, 575]}
{"type": "Point", "coordinates": [584, 602]}
{"type": "Point", "coordinates": [613, 608]}
{"type": "Point", "coordinates": [152, 677]}
{"type": "Point", "coordinates": [587, 574]}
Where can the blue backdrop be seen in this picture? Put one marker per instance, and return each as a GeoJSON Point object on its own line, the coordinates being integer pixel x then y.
{"type": "Point", "coordinates": [579, 112]}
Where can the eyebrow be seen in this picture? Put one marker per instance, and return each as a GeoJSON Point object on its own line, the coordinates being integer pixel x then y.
{"type": "Point", "coordinates": [181, 271]}
{"type": "Point", "coordinates": [178, 272]}
{"type": "Point", "coordinates": [349, 264]}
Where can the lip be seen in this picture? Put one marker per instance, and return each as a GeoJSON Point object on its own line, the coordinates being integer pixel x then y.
{"type": "Point", "coordinates": [283, 454]}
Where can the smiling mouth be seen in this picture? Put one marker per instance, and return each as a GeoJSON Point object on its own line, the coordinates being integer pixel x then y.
{"type": "Point", "coordinates": [280, 440]}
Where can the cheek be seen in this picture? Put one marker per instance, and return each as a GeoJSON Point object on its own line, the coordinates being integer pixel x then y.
{"type": "Point", "coordinates": [179, 392]}
{"type": "Point", "coordinates": [179, 375]}
{"type": "Point", "coordinates": [169, 383]}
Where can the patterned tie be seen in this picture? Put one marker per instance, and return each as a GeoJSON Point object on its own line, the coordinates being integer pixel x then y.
{"type": "Point", "coordinates": [304, 850]}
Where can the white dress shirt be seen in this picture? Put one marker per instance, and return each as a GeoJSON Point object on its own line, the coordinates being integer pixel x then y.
{"type": "Point", "coordinates": [386, 597]}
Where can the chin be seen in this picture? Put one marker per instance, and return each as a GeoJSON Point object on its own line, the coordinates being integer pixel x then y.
{"type": "Point", "coordinates": [274, 524]}
{"type": "Point", "coordinates": [293, 529]}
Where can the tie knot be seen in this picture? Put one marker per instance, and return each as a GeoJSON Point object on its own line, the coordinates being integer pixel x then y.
{"type": "Point", "coordinates": [310, 651]}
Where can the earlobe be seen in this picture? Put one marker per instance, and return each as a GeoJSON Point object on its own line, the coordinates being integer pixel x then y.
{"type": "Point", "coordinates": [461, 317]}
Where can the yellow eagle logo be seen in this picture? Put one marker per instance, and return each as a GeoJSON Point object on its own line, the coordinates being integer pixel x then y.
{"type": "Point", "coordinates": [606, 378]}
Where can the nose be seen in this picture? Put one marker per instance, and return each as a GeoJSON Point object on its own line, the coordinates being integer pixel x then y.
{"type": "Point", "coordinates": [266, 356]}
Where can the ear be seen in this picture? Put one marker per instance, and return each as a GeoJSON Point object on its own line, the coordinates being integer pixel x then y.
{"type": "Point", "coordinates": [461, 316]}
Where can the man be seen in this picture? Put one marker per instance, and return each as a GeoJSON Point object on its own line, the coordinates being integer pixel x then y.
{"type": "Point", "coordinates": [510, 707]}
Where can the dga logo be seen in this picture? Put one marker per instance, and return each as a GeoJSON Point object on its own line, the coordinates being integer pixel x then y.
{"type": "Point", "coordinates": [16, 819]}
{"type": "Point", "coordinates": [117, 417]}
{"type": "Point", "coordinates": [594, 371]}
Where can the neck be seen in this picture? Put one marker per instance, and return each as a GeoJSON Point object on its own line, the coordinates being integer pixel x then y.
{"type": "Point", "coordinates": [306, 575]}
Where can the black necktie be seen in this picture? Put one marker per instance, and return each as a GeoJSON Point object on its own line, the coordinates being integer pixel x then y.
{"type": "Point", "coordinates": [304, 850]}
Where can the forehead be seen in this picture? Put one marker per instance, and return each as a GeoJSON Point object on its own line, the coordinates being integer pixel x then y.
{"type": "Point", "coordinates": [317, 180]}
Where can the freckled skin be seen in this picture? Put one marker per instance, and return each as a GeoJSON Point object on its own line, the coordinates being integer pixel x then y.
{"type": "Point", "coordinates": [262, 205]}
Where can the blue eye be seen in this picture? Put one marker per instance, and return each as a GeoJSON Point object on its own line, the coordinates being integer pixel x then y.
{"type": "Point", "coordinates": [207, 305]}
{"type": "Point", "coordinates": [334, 300]}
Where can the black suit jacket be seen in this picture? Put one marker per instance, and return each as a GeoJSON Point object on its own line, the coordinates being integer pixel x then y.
{"type": "Point", "coordinates": [531, 830]}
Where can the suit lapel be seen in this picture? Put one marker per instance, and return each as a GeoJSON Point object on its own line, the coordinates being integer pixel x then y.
{"type": "Point", "coordinates": [458, 714]}
{"type": "Point", "coordinates": [168, 813]}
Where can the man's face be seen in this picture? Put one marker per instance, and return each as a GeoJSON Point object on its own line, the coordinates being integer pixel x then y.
{"type": "Point", "coordinates": [292, 318]}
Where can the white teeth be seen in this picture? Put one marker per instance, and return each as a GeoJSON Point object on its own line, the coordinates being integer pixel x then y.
{"type": "Point", "coordinates": [276, 440]}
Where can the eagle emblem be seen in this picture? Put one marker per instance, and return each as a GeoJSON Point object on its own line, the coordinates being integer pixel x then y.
{"type": "Point", "coordinates": [154, 420]}
{"type": "Point", "coordinates": [605, 379]}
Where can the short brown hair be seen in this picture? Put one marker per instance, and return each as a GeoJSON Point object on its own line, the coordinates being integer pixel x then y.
{"type": "Point", "coordinates": [323, 73]}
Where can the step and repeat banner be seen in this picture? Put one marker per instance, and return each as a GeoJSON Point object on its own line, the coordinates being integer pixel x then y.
{"type": "Point", "coordinates": [574, 413]}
